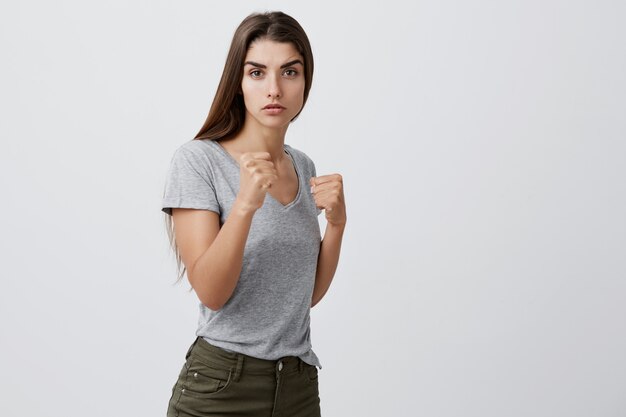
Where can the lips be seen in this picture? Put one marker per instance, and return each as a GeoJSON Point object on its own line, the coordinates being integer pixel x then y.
{"type": "Point", "coordinates": [274, 106]}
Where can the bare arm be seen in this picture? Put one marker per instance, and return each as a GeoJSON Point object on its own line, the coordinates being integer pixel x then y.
{"type": "Point", "coordinates": [213, 256]}
{"type": "Point", "coordinates": [327, 260]}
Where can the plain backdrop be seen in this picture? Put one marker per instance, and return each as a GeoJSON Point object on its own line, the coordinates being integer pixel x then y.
{"type": "Point", "coordinates": [482, 146]}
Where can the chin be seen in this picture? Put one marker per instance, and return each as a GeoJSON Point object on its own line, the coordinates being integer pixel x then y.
{"type": "Point", "coordinates": [275, 122]}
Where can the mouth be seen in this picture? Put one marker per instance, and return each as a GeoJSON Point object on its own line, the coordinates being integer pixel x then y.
{"type": "Point", "coordinates": [273, 109]}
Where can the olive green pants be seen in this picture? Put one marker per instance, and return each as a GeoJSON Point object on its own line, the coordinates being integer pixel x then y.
{"type": "Point", "coordinates": [215, 382]}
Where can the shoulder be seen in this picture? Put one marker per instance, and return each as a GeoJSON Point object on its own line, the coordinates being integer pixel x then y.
{"type": "Point", "coordinates": [196, 147]}
{"type": "Point", "coordinates": [197, 152]}
{"type": "Point", "coordinates": [195, 158]}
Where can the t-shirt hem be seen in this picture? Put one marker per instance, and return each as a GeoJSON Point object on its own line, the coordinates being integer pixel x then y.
{"type": "Point", "coordinates": [168, 205]}
{"type": "Point", "coordinates": [307, 357]}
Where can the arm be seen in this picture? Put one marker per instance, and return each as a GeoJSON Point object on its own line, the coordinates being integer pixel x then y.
{"type": "Point", "coordinates": [327, 261]}
{"type": "Point", "coordinates": [328, 194]}
{"type": "Point", "coordinates": [213, 256]}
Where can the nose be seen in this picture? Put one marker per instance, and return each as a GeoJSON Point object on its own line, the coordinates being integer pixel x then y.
{"type": "Point", "coordinates": [273, 87]}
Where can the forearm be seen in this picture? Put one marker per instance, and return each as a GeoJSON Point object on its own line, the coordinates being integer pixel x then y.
{"type": "Point", "coordinates": [216, 272]}
{"type": "Point", "coordinates": [327, 260]}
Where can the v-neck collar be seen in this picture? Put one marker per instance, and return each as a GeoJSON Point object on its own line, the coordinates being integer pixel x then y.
{"type": "Point", "coordinates": [293, 161]}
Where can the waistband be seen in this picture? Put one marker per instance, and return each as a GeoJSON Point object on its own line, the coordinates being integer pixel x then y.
{"type": "Point", "coordinates": [239, 362]}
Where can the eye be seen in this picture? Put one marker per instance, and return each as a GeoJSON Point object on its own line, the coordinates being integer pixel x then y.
{"type": "Point", "coordinates": [254, 72]}
{"type": "Point", "coordinates": [291, 72]}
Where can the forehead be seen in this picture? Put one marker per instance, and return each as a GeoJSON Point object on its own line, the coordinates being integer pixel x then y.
{"type": "Point", "coordinates": [264, 51]}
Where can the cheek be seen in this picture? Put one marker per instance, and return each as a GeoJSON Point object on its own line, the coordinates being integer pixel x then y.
{"type": "Point", "coordinates": [297, 90]}
{"type": "Point", "coordinates": [249, 88]}
{"type": "Point", "coordinates": [250, 96]}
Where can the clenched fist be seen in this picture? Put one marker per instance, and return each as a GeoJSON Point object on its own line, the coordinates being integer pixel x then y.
{"type": "Point", "coordinates": [327, 192]}
{"type": "Point", "coordinates": [257, 172]}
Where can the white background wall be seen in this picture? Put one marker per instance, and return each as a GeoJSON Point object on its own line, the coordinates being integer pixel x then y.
{"type": "Point", "coordinates": [482, 146]}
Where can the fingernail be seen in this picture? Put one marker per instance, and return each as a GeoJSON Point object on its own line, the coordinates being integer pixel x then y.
{"type": "Point", "coordinates": [311, 189]}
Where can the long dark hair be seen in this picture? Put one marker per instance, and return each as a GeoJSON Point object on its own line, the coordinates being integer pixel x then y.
{"type": "Point", "coordinates": [228, 111]}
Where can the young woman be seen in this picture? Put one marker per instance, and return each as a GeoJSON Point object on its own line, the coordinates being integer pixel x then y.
{"type": "Point", "coordinates": [242, 211]}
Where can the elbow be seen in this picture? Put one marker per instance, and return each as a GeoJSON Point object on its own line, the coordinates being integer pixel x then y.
{"type": "Point", "coordinates": [314, 301]}
{"type": "Point", "coordinates": [212, 288]}
{"type": "Point", "coordinates": [207, 298]}
{"type": "Point", "coordinates": [213, 307]}
{"type": "Point", "coordinates": [210, 300]}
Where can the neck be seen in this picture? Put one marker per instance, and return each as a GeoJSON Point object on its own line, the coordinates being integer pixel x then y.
{"type": "Point", "coordinates": [255, 137]}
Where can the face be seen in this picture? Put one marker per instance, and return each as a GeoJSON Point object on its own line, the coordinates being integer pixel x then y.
{"type": "Point", "coordinates": [273, 73]}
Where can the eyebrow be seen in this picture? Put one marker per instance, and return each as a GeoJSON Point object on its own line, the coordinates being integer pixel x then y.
{"type": "Point", "coordinates": [288, 64]}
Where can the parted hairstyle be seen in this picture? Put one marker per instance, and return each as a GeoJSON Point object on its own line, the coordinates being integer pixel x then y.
{"type": "Point", "coordinates": [228, 111]}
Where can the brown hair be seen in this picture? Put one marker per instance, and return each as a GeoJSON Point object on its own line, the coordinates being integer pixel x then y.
{"type": "Point", "coordinates": [227, 113]}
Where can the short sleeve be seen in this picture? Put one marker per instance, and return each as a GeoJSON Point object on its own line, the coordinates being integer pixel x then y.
{"type": "Point", "coordinates": [188, 183]}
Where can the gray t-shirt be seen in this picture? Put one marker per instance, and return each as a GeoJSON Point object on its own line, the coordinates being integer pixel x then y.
{"type": "Point", "coordinates": [268, 314]}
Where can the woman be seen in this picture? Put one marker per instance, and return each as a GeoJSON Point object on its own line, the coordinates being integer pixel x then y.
{"type": "Point", "coordinates": [244, 207]}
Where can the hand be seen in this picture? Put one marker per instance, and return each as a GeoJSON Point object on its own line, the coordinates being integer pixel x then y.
{"type": "Point", "coordinates": [257, 173]}
{"type": "Point", "coordinates": [328, 194]}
